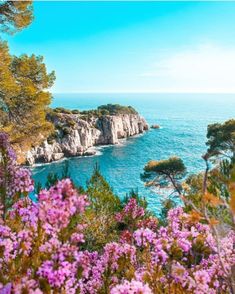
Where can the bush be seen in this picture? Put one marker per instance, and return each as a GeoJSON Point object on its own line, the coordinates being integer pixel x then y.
{"type": "Point", "coordinates": [62, 110]}
{"type": "Point", "coordinates": [114, 109]}
{"type": "Point", "coordinates": [75, 111]}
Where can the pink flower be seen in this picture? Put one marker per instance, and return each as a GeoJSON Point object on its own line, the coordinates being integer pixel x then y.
{"type": "Point", "coordinates": [143, 237]}
{"type": "Point", "coordinates": [132, 210]}
{"type": "Point", "coordinates": [133, 287]}
{"type": "Point", "coordinates": [59, 204]}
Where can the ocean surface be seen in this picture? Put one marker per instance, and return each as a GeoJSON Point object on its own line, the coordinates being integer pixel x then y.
{"type": "Point", "coordinates": [183, 119]}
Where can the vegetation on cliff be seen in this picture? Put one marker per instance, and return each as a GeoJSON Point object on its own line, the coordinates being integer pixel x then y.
{"type": "Point", "coordinates": [68, 117]}
{"type": "Point", "coordinates": [108, 109]}
{"type": "Point", "coordinates": [115, 109]}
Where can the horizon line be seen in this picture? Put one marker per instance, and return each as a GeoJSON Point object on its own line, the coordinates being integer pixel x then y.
{"type": "Point", "coordinates": [130, 92]}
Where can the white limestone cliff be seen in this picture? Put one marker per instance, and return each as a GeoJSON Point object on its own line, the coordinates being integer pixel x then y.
{"type": "Point", "coordinates": [74, 135]}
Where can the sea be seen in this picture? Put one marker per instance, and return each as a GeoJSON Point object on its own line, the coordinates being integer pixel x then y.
{"type": "Point", "coordinates": [183, 120]}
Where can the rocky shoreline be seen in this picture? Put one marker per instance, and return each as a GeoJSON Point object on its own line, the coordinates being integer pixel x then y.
{"type": "Point", "coordinates": [75, 134]}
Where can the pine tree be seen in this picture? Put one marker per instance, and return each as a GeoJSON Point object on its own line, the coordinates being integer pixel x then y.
{"type": "Point", "coordinates": [24, 99]}
{"type": "Point", "coordinates": [24, 84]}
{"type": "Point", "coordinates": [100, 193]}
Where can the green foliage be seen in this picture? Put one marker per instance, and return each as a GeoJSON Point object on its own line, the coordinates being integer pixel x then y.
{"type": "Point", "coordinates": [114, 109]}
{"type": "Point", "coordinates": [141, 201]}
{"type": "Point", "coordinates": [100, 193]}
{"type": "Point", "coordinates": [23, 97]}
{"type": "Point", "coordinates": [218, 177]}
{"type": "Point", "coordinates": [62, 110]}
{"type": "Point", "coordinates": [221, 139]}
{"type": "Point", "coordinates": [195, 181]}
{"type": "Point", "coordinates": [24, 81]}
{"type": "Point", "coordinates": [174, 166]}
{"type": "Point", "coordinates": [75, 111]}
{"type": "Point", "coordinates": [15, 15]}
{"type": "Point", "coordinates": [100, 228]}
{"type": "Point", "coordinates": [109, 109]}
{"type": "Point", "coordinates": [217, 197]}
{"type": "Point", "coordinates": [170, 170]}
{"type": "Point", "coordinates": [100, 217]}
{"type": "Point", "coordinates": [166, 206]}
{"type": "Point", "coordinates": [219, 182]}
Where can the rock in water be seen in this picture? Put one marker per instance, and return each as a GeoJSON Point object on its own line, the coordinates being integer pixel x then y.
{"type": "Point", "coordinates": [155, 126]}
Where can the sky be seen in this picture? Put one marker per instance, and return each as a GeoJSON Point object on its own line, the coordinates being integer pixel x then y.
{"type": "Point", "coordinates": [134, 46]}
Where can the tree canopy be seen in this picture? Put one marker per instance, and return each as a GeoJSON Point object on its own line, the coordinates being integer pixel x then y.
{"type": "Point", "coordinates": [15, 15]}
{"type": "Point", "coordinates": [221, 139]}
{"type": "Point", "coordinates": [114, 109]}
{"type": "Point", "coordinates": [169, 170]}
{"type": "Point", "coordinates": [24, 82]}
{"type": "Point", "coordinates": [24, 98]}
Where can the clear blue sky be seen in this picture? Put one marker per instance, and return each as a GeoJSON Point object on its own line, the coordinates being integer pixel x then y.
{"type": "Point", "coordinates": [134, 46]}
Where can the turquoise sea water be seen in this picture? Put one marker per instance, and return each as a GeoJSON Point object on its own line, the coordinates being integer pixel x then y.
{"type": "Point", "coordinates": [183, 119]}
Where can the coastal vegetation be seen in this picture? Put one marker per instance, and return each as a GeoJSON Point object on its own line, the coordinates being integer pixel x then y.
{"type": "Point", "coordinates": [108, 109]}
{"type": "Point", "coordinates": [23, 99]}
{"type": "Point", "coordinates": [24, 83]}
{"type": "Point", "coordinates": [221, 139]}
{"type": "Point", "coordinates": [71, 240]}
{"type": "Point", "coordinates": [169, 170]}
{"type": "Point", "coordinates": [115, 109]}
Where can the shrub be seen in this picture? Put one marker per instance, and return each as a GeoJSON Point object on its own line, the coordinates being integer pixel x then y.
{"type": "Point", "coordinates": [75, 111]}
{"type": "Point", "coordinates": [62, 110]}
{"type": "Point", "coordinates": [114, 109]}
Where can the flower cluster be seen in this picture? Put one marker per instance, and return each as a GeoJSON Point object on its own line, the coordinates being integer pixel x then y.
{"type": "Point", "coordinates": [131, 214]}
{"type": "Point", "coordinates": [13, 178]}
{"type": "Point", "coordinates": [133, 287]}
{"type": "Point", "coordinates": [58, 205]}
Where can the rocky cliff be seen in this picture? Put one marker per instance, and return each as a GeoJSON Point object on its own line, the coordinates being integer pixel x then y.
{"type": "Point", "coordinates": [75, 134]}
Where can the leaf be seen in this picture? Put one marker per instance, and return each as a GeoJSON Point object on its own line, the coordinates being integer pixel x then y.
{"type": "Point", "coordinates": [194, 216]}
{"type": "Point", "coordinates": [211, 199]}
{"type": "Point", "coordinates": [213, 221]}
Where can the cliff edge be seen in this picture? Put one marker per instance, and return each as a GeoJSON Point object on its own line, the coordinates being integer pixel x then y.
{"type": "Point", "coordinates": [76, 132]}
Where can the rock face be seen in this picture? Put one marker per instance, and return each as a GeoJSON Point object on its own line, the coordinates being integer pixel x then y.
{"type": "Point", "coordinates": [74, 135]}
